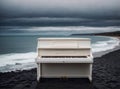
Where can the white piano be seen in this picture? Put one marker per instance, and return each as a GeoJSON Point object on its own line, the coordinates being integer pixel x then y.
{"type": "Point", "coordinates": [64, 57]}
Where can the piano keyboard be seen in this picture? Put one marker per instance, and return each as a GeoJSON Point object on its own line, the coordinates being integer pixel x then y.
{"type": "Point", "coordinates": [64, 56]}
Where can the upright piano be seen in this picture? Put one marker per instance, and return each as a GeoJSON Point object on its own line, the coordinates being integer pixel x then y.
{"type": "Point", "coordinates": [64, 57]}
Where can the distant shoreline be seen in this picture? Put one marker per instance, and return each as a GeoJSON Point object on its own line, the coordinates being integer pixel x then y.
{"type": "Point", "coordinates": [113, 34]}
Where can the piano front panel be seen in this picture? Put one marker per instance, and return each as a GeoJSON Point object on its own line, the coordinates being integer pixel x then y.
{"type": "Point", "coordinates": [84, 44]}
{"type": "Point", "coordinates": [63, 52]}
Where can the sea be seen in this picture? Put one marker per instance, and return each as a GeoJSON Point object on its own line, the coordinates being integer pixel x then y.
{"type": "Point", "coordinates": [18, 44]}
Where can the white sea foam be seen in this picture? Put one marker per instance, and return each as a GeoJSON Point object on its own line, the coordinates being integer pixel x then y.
{"type": "Point", "coordinates": [14, 58]}
{"type": "Point", "coordinates": [84, 29]}
{"type": "Point", "coordinates": [20, 61]}
{"type": "Point", "coordinates": [105, 45]}
{"type": "Point", "coordinates": [17, 61]}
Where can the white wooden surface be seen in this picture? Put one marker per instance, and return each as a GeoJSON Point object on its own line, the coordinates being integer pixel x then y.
{"type": "Point", "coordinates": [64, 67]}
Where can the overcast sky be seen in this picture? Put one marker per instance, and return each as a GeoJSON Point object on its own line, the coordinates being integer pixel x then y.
{"type": "Point", "coordinates": [103, 9]}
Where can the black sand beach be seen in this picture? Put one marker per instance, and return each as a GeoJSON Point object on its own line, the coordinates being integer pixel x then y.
{"type": "Point", "coordinates": [106, 75]}
{"type": "Point", "coordinates": [114, 34]}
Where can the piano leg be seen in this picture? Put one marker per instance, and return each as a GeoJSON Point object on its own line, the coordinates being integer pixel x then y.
{"type": "Point", "coordinates": [38, 71]}
{"type": "Point", "coordinates": [90, 75]}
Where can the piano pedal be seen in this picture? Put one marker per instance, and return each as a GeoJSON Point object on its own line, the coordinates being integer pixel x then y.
{"type": "Point", "coordinates": [64, 78]}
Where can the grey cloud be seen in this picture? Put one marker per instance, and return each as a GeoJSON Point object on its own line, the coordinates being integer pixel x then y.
{"type": "Point", "coordinates": [98, 9]}
{"type": "Point", "coordinates": [48, 21]}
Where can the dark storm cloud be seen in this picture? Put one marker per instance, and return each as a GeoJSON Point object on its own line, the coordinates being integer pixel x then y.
{"type": "Point", "coordinates": [94, 9]}
{"type": "Point", "coordinates": [60, 12]}
{"type": "Point", "coordinates": [53, 21]}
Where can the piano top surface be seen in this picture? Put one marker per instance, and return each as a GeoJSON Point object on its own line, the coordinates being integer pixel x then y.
{"type": "Point", "coordinates": [64, 39]}
{"type": "Point", "coordinates": [64, 43]}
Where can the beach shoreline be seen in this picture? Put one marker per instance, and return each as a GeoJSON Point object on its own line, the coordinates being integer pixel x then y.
{"type": "Point", "coordinates": [99, 54]}
{"type": "Point", "coordinates": [106, 75]}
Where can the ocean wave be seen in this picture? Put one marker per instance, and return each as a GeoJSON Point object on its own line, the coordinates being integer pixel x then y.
{"type": "Point", "coordinates": [70, 28]}
{"type": "Point", "coordinates": [78, 29]}
{"type": "Point", "coordinates": [17, 61]}
{"type": "Point", "coordinates": [14, 58]}
{"type": "Point", "coordinates": [105, 45]}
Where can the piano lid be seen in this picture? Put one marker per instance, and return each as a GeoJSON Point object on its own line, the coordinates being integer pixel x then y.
{"type": "Point", "coordinates": [63, 43]}
{"type": "Point", "coordinates": [63, 39]}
